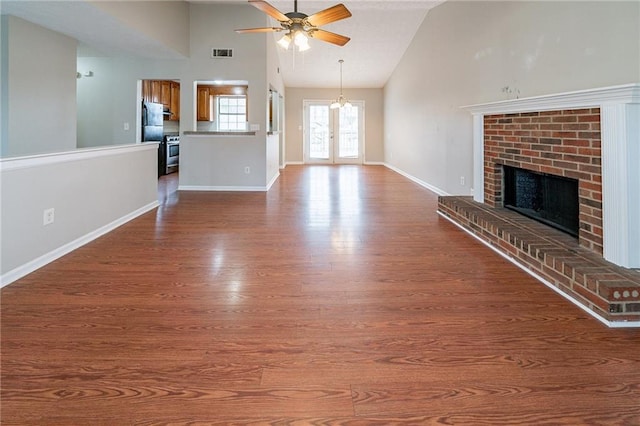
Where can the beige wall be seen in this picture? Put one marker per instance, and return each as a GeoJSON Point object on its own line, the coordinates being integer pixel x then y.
{"type": "Point", "coordinates": [373, 99]}
{"type": "Point", "coordinates": [467, 52]}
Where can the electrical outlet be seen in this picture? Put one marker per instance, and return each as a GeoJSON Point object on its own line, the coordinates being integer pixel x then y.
{"type": "Point", "coordinates": [462, 180]}
{"type": "Point", "coordinates": [48, 216]}
{"type": "Point", "coordinates": [125, 126]}
{"type": "Point", "coordinates": [247, 170]}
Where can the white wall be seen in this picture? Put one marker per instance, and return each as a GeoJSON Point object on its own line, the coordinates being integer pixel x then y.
{"type": "Point", "coordinates": [276, 144]}
{"type": "Point", "coordinates": [90, 190]}
{"type": "Point", "coordinates": [164, 21]}
{"type": "Point", "coordinates": [374, 122]}
{"type": "Point", "coordinates": [466, 52]}
{"type": "Point", "coordinates": [95, 103]}
{"type": "Point", "coordinates": [40, 111]}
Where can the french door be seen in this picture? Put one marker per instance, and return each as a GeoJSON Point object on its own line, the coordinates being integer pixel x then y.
{"type": "Point", "coordinates": [333, 135]}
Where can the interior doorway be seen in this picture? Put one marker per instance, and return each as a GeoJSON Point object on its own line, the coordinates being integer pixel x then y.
{"type": "Point", "coordinates": [333, 136]}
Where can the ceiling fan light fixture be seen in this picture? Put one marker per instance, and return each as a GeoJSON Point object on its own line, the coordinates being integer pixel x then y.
{"type": "Point", "coordinates": [304, 46]}
{"type": "Point", "coordinates": [300, 26]}
{"type": "Point", "coordinates": [300, 38]}
{"type": "Point", "coordinates": [285, 41]}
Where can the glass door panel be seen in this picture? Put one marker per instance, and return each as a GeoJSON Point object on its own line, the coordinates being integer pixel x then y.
{"type": "Point", "coordinates": [333, 135]}
{"type": "Point", "coordinates": [319, 132]}
{"type": "Point", "coordinates": [348, 133]}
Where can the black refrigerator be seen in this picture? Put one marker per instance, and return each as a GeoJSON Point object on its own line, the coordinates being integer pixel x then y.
{"type": "Point", "coordinates": [152, 131]}
{"type": "Point", "coordinates": [152, 124]}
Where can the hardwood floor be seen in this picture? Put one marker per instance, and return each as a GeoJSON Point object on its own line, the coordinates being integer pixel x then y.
{"type": "Point", "coordinates": [339, 297]}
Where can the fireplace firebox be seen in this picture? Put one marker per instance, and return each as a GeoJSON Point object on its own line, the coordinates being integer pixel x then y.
{"type": "Point", "coordinates": [547, 198]}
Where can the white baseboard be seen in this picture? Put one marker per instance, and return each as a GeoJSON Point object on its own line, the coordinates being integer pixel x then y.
{"type": "Point", "coordinates": [230, 188]}
{"type": "Point", "coordinates": [275, 178]}
{"type": "Point", "coordinates": [611, 324]}
{"type": "Point", "coordinates": [374, 163]}
{"type": "Point", "coordinates": [430, 187]}
{"type": "Point", "coordinates": [223, 188]}
{"type": "Point", "coordinates": [41, 261]}
{"type": "Point", "coordinates": [294, 163]}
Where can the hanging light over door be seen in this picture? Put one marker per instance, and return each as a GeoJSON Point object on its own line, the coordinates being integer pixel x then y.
{"type": "Point", "coordinates": [341, 101]}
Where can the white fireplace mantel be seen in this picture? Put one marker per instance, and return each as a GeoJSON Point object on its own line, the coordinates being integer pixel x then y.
{"type": "Point", "coordinates": [620, 137]}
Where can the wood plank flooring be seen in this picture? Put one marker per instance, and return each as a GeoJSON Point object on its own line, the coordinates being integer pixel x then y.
{"type": "Point", "coordinates": [339, 297]}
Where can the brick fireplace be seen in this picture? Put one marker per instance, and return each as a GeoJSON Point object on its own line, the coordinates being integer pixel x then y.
{"type": "Point", "coordinates": [592, 136]}
{"type": "Point", "coordinates": [562, 143]}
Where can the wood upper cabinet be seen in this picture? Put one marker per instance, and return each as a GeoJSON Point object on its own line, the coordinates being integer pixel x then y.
{"type": "Point", "coordinates": [146, 90]}
{"type": "Point", "coordinates": [156, 91]}
{"type": "Point", "coordinates": [204, 104]}
{"type": "Point", "coordinates": [174, 106]}
{"type": "Point", "coordinates": [165, 92]}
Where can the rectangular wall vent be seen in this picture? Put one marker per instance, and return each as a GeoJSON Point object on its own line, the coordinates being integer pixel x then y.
{"type": "Point", "coordinates": [221, 53]}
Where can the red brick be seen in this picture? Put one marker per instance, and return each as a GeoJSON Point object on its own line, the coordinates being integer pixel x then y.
{"type": "Point", "coordinates": [577, 158]}
{"type": "Point", "coordinates": [577, 126]}
{"type": "Point", "coordinates": [589, 152]}
{"type": "Point", "coordinates": [551, 126]}
{"type": "Point", "coordinates": [589, 118]}
{"type": "Point", "coordinates": [565, 149]}
{"type": "Point", "coordinates": [589, 135]}
{"type": "Point", "coordinates": [580, 111]}
{"type": "Point", "coordinates": [565, 119]}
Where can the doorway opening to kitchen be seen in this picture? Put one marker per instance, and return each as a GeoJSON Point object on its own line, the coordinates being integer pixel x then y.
{"type": "Point", "coordinates": [333, 136]}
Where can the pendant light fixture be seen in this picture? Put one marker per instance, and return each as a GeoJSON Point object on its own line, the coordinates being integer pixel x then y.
{"type": "Point", "coordinates": [341, 101]}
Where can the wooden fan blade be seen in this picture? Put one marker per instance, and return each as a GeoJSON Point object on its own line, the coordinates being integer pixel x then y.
{"type": "Point", "coordinates": [258, 30]}
{"type": "Point", "coordinates": [330, 37]}
{"type": "Point", "coordinates": [332, 14]}
{"type": "Point", "coordinates": [269, 10]}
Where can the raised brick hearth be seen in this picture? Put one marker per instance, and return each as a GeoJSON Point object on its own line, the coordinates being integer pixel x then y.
{"type": "Point", "coordinates": [612, 292]}
{"type": "Point", "coordinates": [591, 136]}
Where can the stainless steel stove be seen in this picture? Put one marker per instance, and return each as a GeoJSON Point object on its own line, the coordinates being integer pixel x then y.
{"type": "Point", "coordinates": [172, 157]}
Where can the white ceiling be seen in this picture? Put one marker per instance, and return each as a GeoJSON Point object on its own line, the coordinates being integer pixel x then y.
{"type": "Point", "coordinates": [380, 32]}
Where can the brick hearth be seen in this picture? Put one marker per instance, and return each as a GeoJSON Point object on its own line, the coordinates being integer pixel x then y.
{"type": "Point", "coordinates": [610, 291]}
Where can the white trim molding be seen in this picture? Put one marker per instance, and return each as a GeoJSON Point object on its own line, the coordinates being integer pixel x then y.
{"type": "Point", "coordinates": [223, 188]}
{"type": "Point", "coordinates": [623, 94]}
{"type": "Point", "coordinates": [15, 163]}
{"type": "Point", "coordinates": [47, 258]}
{"type": "Point", "coordinates": [620, 136]}
{"type": "Point", "coordinates": [422, 183]}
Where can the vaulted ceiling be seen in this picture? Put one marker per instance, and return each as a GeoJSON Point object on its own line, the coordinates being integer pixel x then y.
{"type": "Point", "coordinates": [380, 32]}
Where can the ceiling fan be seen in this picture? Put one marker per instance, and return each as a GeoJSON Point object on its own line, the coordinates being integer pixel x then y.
{"type": "Point", "coordinates": [299, 26]}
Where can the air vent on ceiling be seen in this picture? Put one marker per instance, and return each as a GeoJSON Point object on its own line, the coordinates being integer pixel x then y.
{"type": "Point", "coordinates": [221, 53]}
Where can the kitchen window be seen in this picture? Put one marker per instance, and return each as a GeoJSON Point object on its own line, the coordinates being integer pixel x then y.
{"type": "Point", "coordinates": [232, 113]}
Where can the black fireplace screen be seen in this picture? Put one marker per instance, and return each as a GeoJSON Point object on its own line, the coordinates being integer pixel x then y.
{"type": "Point", "coordinates": [547, 198]}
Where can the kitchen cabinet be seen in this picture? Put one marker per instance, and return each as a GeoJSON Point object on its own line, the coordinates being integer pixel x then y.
{"type": "Point", "coordinates": [146, 90]}
{"type": "Point", "coordinates": [156, 91]}
{"type": "Point", "coordinates": [165, 92]}
{"type": "Point", "coordinates": [204, 104]}
{"type": "Point", "coordinates": [174, 105]}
